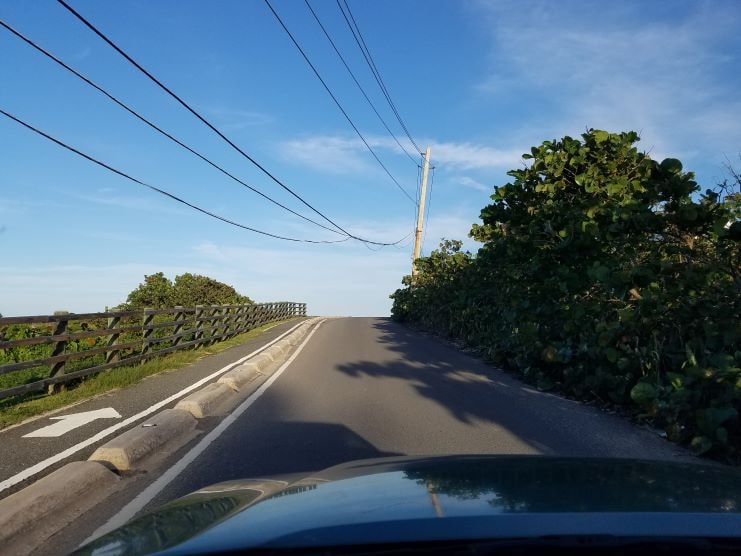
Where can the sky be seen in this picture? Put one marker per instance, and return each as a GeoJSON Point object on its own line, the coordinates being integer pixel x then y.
{"type": "Point", "coordinates": [478, 81]}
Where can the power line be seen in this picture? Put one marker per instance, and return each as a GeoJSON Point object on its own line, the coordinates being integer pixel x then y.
{"type": "Point", "coordinates": [381, 82]}
{"type": "Point", "coordinates": [378, 248]}
{"type": "Point", "coordinates": [337, 102]}
{"type": "Point", "coordinates": [365, 95]}
{"type": "Point", "coordinates": [157, 189]}
{"type": "Point", "coordinates": [155, 127]}
{"type": "Point", "coordinates": [358, 36]}
{"type": "Point", "coordinates": [209, 124]}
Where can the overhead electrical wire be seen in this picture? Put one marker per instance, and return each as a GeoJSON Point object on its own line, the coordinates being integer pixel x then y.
{"type": "Point", "coordinates": [358, 36]}
{"type": "Point", "coordinates": [355, 79]}
{"type": "Point", "coordinates": [379, 247]}
{"type": "Point", "coordinates": [337, 102]}
{"type": "Point", "coordinates": [211, 126]}
{"type": "Point", "coordinates": [157, 128]}
{"type": "Point", "coordinates": [157, 189]}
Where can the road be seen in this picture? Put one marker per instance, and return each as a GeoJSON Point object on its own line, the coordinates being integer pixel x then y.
{"type": "Point", "coordinates": [365, 387]}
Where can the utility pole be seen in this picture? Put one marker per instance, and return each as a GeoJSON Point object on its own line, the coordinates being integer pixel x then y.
{"type": "Point", "coordinates": [420, 213]}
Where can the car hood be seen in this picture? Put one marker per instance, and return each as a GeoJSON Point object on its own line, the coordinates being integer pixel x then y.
{"type": "Point", "coordinates": [393, 500]}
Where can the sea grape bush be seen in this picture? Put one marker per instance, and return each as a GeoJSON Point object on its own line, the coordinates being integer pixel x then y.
{"type": "Point", "coordinates": [606, 275]}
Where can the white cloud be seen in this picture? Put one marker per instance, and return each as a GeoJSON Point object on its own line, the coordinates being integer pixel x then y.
{"type": "Point", "coordinates": [330, 154]}
{"type": "Point", "coordinates": [342, 155]}
{"type": "Point", "coordinates": [230, 119]}
{"type": "Point", "coordinates": [469, 156]}
{"type": "Point", "coordinates": [448, 226]}
{"type": "Point", "coordinates": [144, 202]}
{"type": "Point", "coordinates": [613, 66]}
{"type": "Point", "coordinates": [467, 181]}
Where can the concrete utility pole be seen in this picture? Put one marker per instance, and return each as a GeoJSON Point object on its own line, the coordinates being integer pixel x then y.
{"type": "Point", "coordinates": [420, 213]}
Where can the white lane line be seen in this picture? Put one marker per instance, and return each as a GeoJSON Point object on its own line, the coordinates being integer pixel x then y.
{"type": "Point", "coordinates": [37, 468]}
{"type": "Point", "coordinates": [148, 494]}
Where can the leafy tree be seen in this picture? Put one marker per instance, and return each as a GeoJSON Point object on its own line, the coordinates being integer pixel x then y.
{"type": "Point", "coordinates": [608, 275]}
{"type": "Point", "coordinates": [194, 289]}
{"type": "Point", "coordinates": [157, 291]}
{"type": "Point", "coordinates": [154, 292]}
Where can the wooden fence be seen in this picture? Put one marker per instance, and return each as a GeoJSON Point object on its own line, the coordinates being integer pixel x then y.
{"type": "Point", "coordinates": [46, 352]}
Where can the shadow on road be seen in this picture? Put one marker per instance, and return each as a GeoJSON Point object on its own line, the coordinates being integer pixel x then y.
{"type": "Point", "coordinates": [473, 392]}
{"type": "Point", "coordinates": [273, 448]}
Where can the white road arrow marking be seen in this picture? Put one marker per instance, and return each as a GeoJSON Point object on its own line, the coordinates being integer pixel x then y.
{"type": "Point", "coordinates": [69, 422]}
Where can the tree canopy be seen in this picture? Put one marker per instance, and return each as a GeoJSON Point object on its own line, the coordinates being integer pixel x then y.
{"type": "Point", "coordinates": [158, 291]}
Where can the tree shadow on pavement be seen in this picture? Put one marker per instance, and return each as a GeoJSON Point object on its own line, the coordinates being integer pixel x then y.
{"type": "Point", "coordinates": [274, 448]}
{"type": "Point", "coordinates": [472, 392]}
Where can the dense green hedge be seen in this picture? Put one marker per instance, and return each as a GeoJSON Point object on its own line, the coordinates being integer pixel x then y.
{"type": "Point", "coordinates": [607, 275]}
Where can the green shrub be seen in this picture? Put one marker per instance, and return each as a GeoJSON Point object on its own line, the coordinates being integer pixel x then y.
{"type": "Point", "coordinates": [607, 275]}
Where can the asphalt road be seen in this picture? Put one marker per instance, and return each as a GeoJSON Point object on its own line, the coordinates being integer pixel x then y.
{"type": "Point", "coordinates": [367, 388]}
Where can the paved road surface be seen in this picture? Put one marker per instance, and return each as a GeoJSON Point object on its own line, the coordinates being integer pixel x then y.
{"type": "Point", "coordinates": [365, 387]}
{"type": "Point", "coordinates": [370, 388]}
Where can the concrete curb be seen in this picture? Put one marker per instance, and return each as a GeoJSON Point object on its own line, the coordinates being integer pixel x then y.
{"type": "Point", "coordinates": [285, 345]}
{"type": "Point", "coordinates": [51, 503]}
{"type": "Point", "coordinates": [275, 352]}
{"type": "Point", "coordinates": [128, 450]}
{"type": "Point", "coordinates": [261, 360]}
{"type": "Point", "coordinates": [298, 335]}
{"type": "Point", "coordinates": [241, 376]}
{"type": "Point", "coordinates": [208, 401]}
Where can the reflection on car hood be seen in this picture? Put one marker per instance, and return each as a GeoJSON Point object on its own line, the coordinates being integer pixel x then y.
{"type": "Point", "coordinates": [393, 500]}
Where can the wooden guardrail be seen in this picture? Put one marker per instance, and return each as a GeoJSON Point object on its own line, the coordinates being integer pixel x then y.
{"type": "Point", "coordinates": [46, 352]}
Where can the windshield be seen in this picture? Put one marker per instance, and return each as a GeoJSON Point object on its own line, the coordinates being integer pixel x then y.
{"type": "Point", "coordinates": [245, 243]}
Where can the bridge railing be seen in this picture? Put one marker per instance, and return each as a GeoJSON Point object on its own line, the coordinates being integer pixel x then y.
{"type": "Point", "coordinates": [39, 353]}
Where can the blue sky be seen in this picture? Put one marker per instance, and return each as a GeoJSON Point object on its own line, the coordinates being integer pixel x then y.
{"type": "Point", "coordinates": [478, 81]}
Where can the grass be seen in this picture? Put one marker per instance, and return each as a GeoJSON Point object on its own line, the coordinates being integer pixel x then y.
{"type": "Point", "coordinates": [18, 409]}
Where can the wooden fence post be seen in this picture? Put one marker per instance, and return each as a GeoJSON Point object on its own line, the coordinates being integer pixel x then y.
{"type": "Point", "coordinates": [259, 313]}
{"type": "Point", "coordinates": [234, 312]}
{"type": "Point", "coordinates": [252, 319]}
{"type": "Point", "coordinates": [58, 349]}
{"type": "Point", "coordinates": [241, 319]}
{"type": "Point", "coordinates": [215, 323]}
{"type": "Point", "coordinates": [113, 355]}
{"type": "Point", "coordinates": [146, 333]}
{"type": "Point", "coordinates": [178, 327]}
{"type": "Point", "coordinates": [225, 319]}
{"type": "Point", "coordinates": [199, 325]}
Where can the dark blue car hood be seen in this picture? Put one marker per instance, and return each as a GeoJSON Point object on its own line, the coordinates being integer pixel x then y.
{"type": "Point", "coordinates": [397, 500]}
